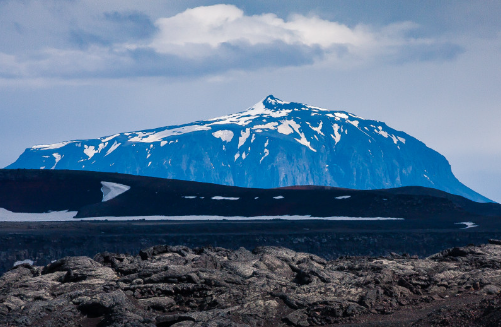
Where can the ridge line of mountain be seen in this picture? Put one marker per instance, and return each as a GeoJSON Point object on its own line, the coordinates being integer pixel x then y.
{"type": "Point", "coordinates": [272, 144]}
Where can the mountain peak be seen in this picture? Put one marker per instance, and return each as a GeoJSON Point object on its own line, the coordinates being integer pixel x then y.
{"type": "Point", "coordinates": [271, 102]}
{"type": "Point", "coordinates": [270, 98]}
{"type": "Point", "coordinates": [271, 144]}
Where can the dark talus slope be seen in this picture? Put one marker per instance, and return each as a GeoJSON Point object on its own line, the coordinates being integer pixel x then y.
{"type": "Point", "coordinates": [272, 144]}
{"type": "Point", "coordinates": [270, 286]}
{"type": "Point", "coordinates": [81, 191]}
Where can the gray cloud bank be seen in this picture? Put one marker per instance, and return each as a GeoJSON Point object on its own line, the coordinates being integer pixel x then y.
{"type": "Point", "coordinates": [200, 41]}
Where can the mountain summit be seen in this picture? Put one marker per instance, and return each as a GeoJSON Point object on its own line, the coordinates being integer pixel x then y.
{"type": "Point", "coordinates": [272, 144]}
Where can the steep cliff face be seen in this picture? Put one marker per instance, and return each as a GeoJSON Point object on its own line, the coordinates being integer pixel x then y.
{"type": "Point", "coordinates": [272, 144]}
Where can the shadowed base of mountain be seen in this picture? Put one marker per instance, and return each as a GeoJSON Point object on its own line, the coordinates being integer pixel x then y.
{"type": "Point", "coordinates": [56, 190]}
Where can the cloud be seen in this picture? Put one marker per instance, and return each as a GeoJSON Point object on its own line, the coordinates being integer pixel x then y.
{"type": "Point", "coordinates": [212, 40]}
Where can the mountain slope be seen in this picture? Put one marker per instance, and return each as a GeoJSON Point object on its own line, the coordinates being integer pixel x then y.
{"type": "Point", "coordinates": [272, 144]}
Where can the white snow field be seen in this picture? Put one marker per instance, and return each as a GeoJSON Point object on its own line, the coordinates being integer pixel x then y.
{"type": "Point", "coordinates": [112, 190]}
{"type": "Point", "coordinates": [6, 215]}
{"type": "Point", "coordinates": [468, 224]}
{"type": "Point", "coordinates": [217, 197]}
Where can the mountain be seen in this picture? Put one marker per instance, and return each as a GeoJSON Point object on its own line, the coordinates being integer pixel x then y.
{"type": "Point", "coordinates": [99, 194]}
{"type": "Point", "coordinates": [272, 144]}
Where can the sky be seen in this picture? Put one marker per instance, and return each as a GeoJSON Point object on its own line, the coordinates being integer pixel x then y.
{"type": "Point", "coordinates": [73, 69]}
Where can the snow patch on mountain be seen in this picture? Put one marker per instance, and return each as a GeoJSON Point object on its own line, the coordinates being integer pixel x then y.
{"type": "Point", "coordinates": [317, 129]}
{"type": "Point", "coordinates": [266, 151]}
{"type": "Point", "coordinates": [112, 190]}
{"type": "Point", "coordinates": [272, 125]}
{"type": "Point", "coordinates": [112, 148]}
{"type": "Point", "coordinates": [286, 128]}
{"type": "Point", "coordinates": [57, 158]}
{"type": "Point", "coordinates": [243, 137]}
{"type": "Point", "coordinates": [90, 151]}
{"type": "Point", "coordinates": [305, 142]}
{"type": "Point", "coordinates": [337, 135]}
{"type": "Point", "coordinates": [224, 135]}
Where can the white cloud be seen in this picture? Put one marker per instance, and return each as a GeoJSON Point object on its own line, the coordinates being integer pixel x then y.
{"type": "Point", "coordinates": [198, 31]}
{"type": "Point", "coordinates": [212, 40]}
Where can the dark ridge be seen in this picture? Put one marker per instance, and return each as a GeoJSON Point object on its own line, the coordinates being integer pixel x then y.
{"type": "Point", "coordinates": [24, 190]}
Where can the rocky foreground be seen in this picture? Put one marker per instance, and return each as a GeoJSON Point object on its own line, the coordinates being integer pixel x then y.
{"type": "Point", "coordinates": [270, 286]}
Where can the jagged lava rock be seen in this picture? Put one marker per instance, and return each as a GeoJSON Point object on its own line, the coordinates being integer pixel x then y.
{"type": "Point", "coordinates": [270, 286]}
{"type": "Point", "coordinates": [272, 144]}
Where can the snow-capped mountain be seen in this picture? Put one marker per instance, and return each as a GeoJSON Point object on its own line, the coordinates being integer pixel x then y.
{"type": "Point", "coordinates": [272, 144]}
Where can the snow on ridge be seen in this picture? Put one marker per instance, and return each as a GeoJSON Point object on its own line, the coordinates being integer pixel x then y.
{"type": "Point", "coordinates": [342, 197]}
{"type": "Point", "coordinates": [150, 137]}
{"type": "Point", "coordinates": [274, 100]}
{"type": "Point", "coordinates": [279, 197]}
{"type": "Point", "coordinates": [224, 135]}
{"type": "Point", "coordinates": [379, 130]}
{"type": "Point", "coordinates": [353, 122]}
{"type": "Point", "coordinates": [108, 138]}
{"type": "Point", "coordinates": [341, 115]}
{"type": "Point", "coordinates": [112, 190]}
{"type": "Point", "coordinates": [246, 117]}
{"type": "Point", "coordinates": [317, 108]}
{"type": "Point", "coordinates": [51, 146]}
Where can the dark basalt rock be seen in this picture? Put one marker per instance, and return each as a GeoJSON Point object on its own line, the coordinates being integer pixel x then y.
{"type": "Point", "coordinates": [270, 286]}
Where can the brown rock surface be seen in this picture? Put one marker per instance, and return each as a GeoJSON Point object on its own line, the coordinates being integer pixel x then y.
{"type": "Point", "coordinates": [270, 286]}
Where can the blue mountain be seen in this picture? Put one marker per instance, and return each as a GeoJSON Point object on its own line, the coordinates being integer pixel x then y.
{"type": "Point", "coordinates": [272, 144]}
